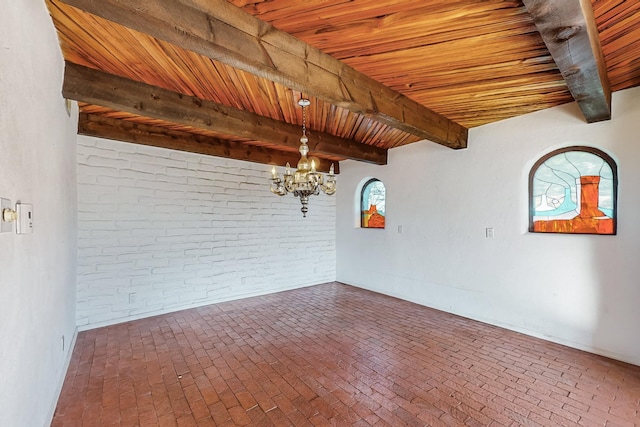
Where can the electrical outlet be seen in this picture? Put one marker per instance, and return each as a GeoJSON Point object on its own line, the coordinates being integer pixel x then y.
{"type": "Point", "coordinates": [489, 233]}
{"type": "Point", "coordinates": [132, 297]}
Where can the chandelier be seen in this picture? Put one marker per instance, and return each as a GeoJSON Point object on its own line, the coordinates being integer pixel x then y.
{"type": "Point", "coordinates": [305, 181]}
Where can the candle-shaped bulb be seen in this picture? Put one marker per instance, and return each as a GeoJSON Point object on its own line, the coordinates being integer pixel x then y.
{"type": "Point", "coordinates": [288, 169]}
{"type": "Point", "coordinates": [274, 175]}
{"type": "Point", "coordinates": [331, 169]}
{"type": "Point", "coordinates": [313, 166]}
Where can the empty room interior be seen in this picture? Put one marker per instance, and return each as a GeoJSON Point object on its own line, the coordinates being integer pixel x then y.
{"type": "Point", "coordinates": [320, 213]}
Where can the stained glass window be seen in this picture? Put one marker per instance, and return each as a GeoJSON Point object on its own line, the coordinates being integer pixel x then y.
{"type": "Point", "coordinates": [372, 202]}
{"type": "Point", "coordinates": [573, 190]}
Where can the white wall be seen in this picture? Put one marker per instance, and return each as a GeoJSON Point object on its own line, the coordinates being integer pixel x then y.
{"type": "Point", "coordinates": [37, 166]}
{"type": "Point", "coordinates": [181, 230]}
{"type": "Point", "coordinates": [580, 290]}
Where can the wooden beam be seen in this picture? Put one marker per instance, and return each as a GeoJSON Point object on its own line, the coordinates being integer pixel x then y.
{"type": "Point", "coordinates": [225, 33]}
{"type": "Point", "coordinates": [96, 87]}
{"type": "Point", "coordinates": [156, 136]}
{"type": "Point", "coordinates": [569, 30]}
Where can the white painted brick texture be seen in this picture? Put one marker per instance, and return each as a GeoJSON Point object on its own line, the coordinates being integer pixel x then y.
{"type": "Point", "coordinates": [162, 230]}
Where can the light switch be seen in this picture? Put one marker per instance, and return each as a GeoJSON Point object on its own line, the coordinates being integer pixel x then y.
{"type": "Point", "coordinates": [24, 224]}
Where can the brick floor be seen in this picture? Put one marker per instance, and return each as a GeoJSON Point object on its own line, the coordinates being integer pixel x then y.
{"type": "Point", "coordinates": [334, 355]}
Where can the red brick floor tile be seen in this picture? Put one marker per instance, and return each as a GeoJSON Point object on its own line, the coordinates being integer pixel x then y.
{"type": "Point", "coordinates": [334, 355]}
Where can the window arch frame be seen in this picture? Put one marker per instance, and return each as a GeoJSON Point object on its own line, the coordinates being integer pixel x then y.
{"type": "Point", "coordinates": [361, 211]}
{"type": "Point", "coordinates": [580, 148]}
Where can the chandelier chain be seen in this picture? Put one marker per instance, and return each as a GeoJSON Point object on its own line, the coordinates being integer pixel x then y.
{"type": "Point", "coordinates": [304, 121]}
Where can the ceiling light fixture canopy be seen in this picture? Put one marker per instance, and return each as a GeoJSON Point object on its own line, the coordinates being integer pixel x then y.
{"type": "Point", "coordinates": [305, 181]}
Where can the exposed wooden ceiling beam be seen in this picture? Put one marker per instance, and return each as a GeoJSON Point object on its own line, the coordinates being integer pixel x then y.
{"type": "Point", "coordinates": [569, 30]}
{"type": "Point", "coordinates": [156, 136]}
{"type": "Point", "coordinates": [96, 87]}
{"type": "Point", "coordinates": [225, 33]}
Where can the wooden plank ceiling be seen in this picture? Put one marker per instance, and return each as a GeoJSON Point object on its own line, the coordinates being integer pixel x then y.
{"type": "Point", "coordinates": [207, 76]}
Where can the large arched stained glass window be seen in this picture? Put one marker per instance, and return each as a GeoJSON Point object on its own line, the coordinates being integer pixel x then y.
{"type": "Point", "coordinates": [372, 204]}
{"type": "Point", "coordinates": [573, 190]}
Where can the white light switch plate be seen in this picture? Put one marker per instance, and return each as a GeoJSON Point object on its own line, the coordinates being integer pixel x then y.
{"type": "Point", "coordinates": [4, 225]}
{"type": "Point", "coordinates": [24, 225]}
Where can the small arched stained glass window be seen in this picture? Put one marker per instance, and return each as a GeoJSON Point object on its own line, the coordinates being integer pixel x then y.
{"type": "Point", "coordinates": [573, 190]}
{"type": "Point", "coordinates": [372, 204]}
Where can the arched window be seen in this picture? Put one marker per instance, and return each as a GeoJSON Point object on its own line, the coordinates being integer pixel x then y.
{"type": "Point", "coordinates": [573, 190]}
{"type": "Point", "coordinates": [372, 200]}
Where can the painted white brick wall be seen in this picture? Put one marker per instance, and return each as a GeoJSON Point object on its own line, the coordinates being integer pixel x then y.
{"type": "Point", "coordinates": [162, 230]}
